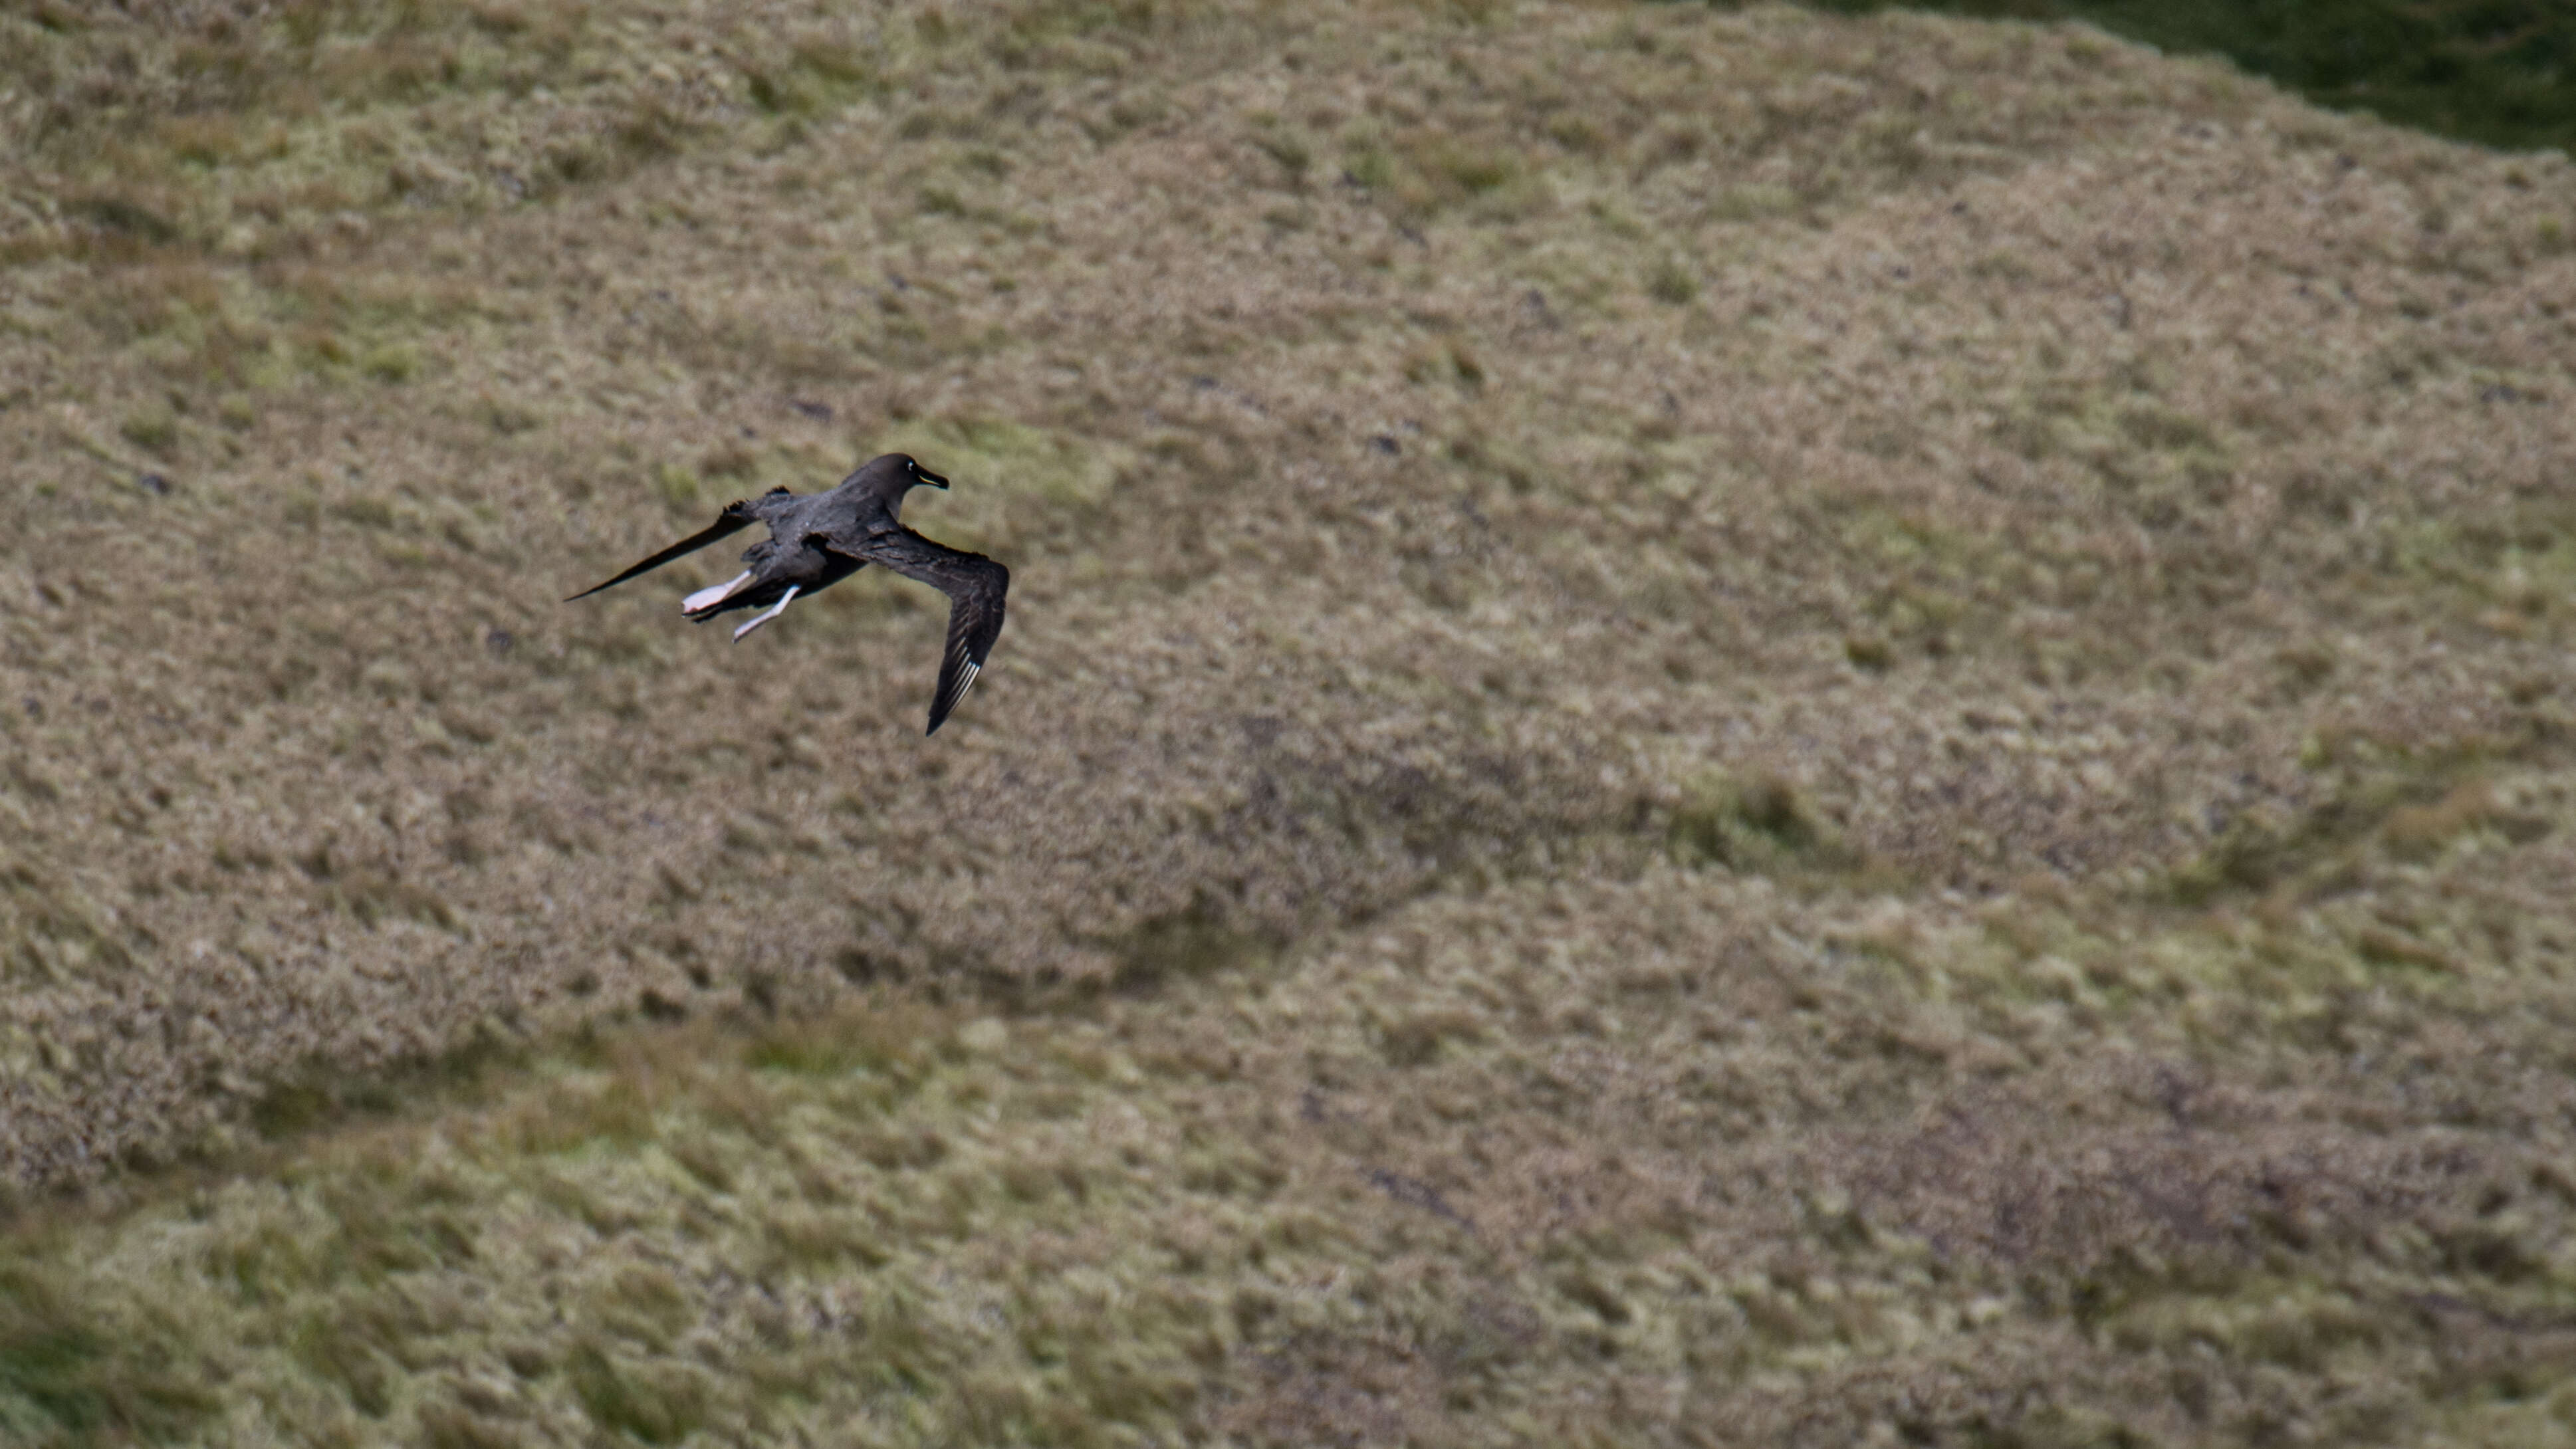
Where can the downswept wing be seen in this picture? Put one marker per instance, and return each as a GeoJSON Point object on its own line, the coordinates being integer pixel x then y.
{"type": "Point", "coordinates": [974, 585]}
{"type": "Point", "coordinates": [737, 516]}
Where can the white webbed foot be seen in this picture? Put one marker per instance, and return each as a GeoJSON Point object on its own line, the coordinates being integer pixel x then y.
{"type": "Point", "coordinates": [710, 597]}
{"type": "Point", "coordinates": [773, 612]}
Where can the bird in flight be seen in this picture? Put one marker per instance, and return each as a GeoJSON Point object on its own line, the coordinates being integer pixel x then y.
{"type": "Point", "coordinates": [818, 539]}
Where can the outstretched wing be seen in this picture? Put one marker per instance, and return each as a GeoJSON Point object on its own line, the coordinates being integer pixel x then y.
{"type": "Point", "coordinates": [974, 585]}
{"type": "Point", "coordinates": [736, 517]}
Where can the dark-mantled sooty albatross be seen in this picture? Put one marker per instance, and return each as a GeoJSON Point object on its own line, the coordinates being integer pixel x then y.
{"type": "Point", "coordinates": [819, 539]}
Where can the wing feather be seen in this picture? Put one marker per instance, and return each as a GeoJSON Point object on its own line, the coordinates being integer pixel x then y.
{"type": "Point", "coordinates": [736, 517]}
{"type": "Point", "coordinates": [975, 586]}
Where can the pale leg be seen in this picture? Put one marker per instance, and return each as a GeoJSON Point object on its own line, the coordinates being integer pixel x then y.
{"type": "Point", "coordinates": [774, 611]}
{"type": "Point", "coordinates": [709, 598]}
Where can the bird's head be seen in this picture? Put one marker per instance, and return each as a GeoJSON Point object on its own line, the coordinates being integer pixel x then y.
{"type": "Point", "coordinates": [891, 475]}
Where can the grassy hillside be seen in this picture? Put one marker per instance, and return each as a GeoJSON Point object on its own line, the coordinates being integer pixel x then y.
{"type": "Point", "coordinates": [1717, 728]}
{"type": "Point", "coordinates": [2502, 72]}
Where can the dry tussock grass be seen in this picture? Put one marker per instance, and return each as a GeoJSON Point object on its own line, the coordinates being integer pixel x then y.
{"type": "Point", "coordinates": [1718, 727]}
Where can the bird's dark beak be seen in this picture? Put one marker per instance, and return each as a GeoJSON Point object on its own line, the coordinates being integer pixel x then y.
{"type": "Point", "coordinates": [933, 479]}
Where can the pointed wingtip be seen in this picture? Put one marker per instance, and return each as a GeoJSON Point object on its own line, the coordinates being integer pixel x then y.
{"type": "Point", "coordinates": [946, 704]}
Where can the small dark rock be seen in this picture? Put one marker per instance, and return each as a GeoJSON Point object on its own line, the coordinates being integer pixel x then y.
{"type": "Point", "coordinates": [499, 641]}
{"type": "Point", "coordinates": [1386, 443]}
{"type": "Point", "coordinates": [155, 484]}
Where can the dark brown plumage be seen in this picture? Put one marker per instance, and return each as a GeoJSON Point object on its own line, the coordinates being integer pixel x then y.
{"type": "Point", "coordinates": [818, 539]}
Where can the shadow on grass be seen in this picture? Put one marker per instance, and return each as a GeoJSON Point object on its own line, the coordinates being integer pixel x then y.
{"type": "Point", "coordinates": [320, 1094]}
{"type": "Point", "coordinates": [2408, 807]}
{"type": "Point", "coordinates": [67, 1379]}
{"type": "Point", "coordinates": [2498, 72]}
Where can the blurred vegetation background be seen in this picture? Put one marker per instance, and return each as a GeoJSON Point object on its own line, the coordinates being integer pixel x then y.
{"type": "Point", "coordinates": [1720, 727]}
{"type": "Point", "coordinates": [2498, 72]}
